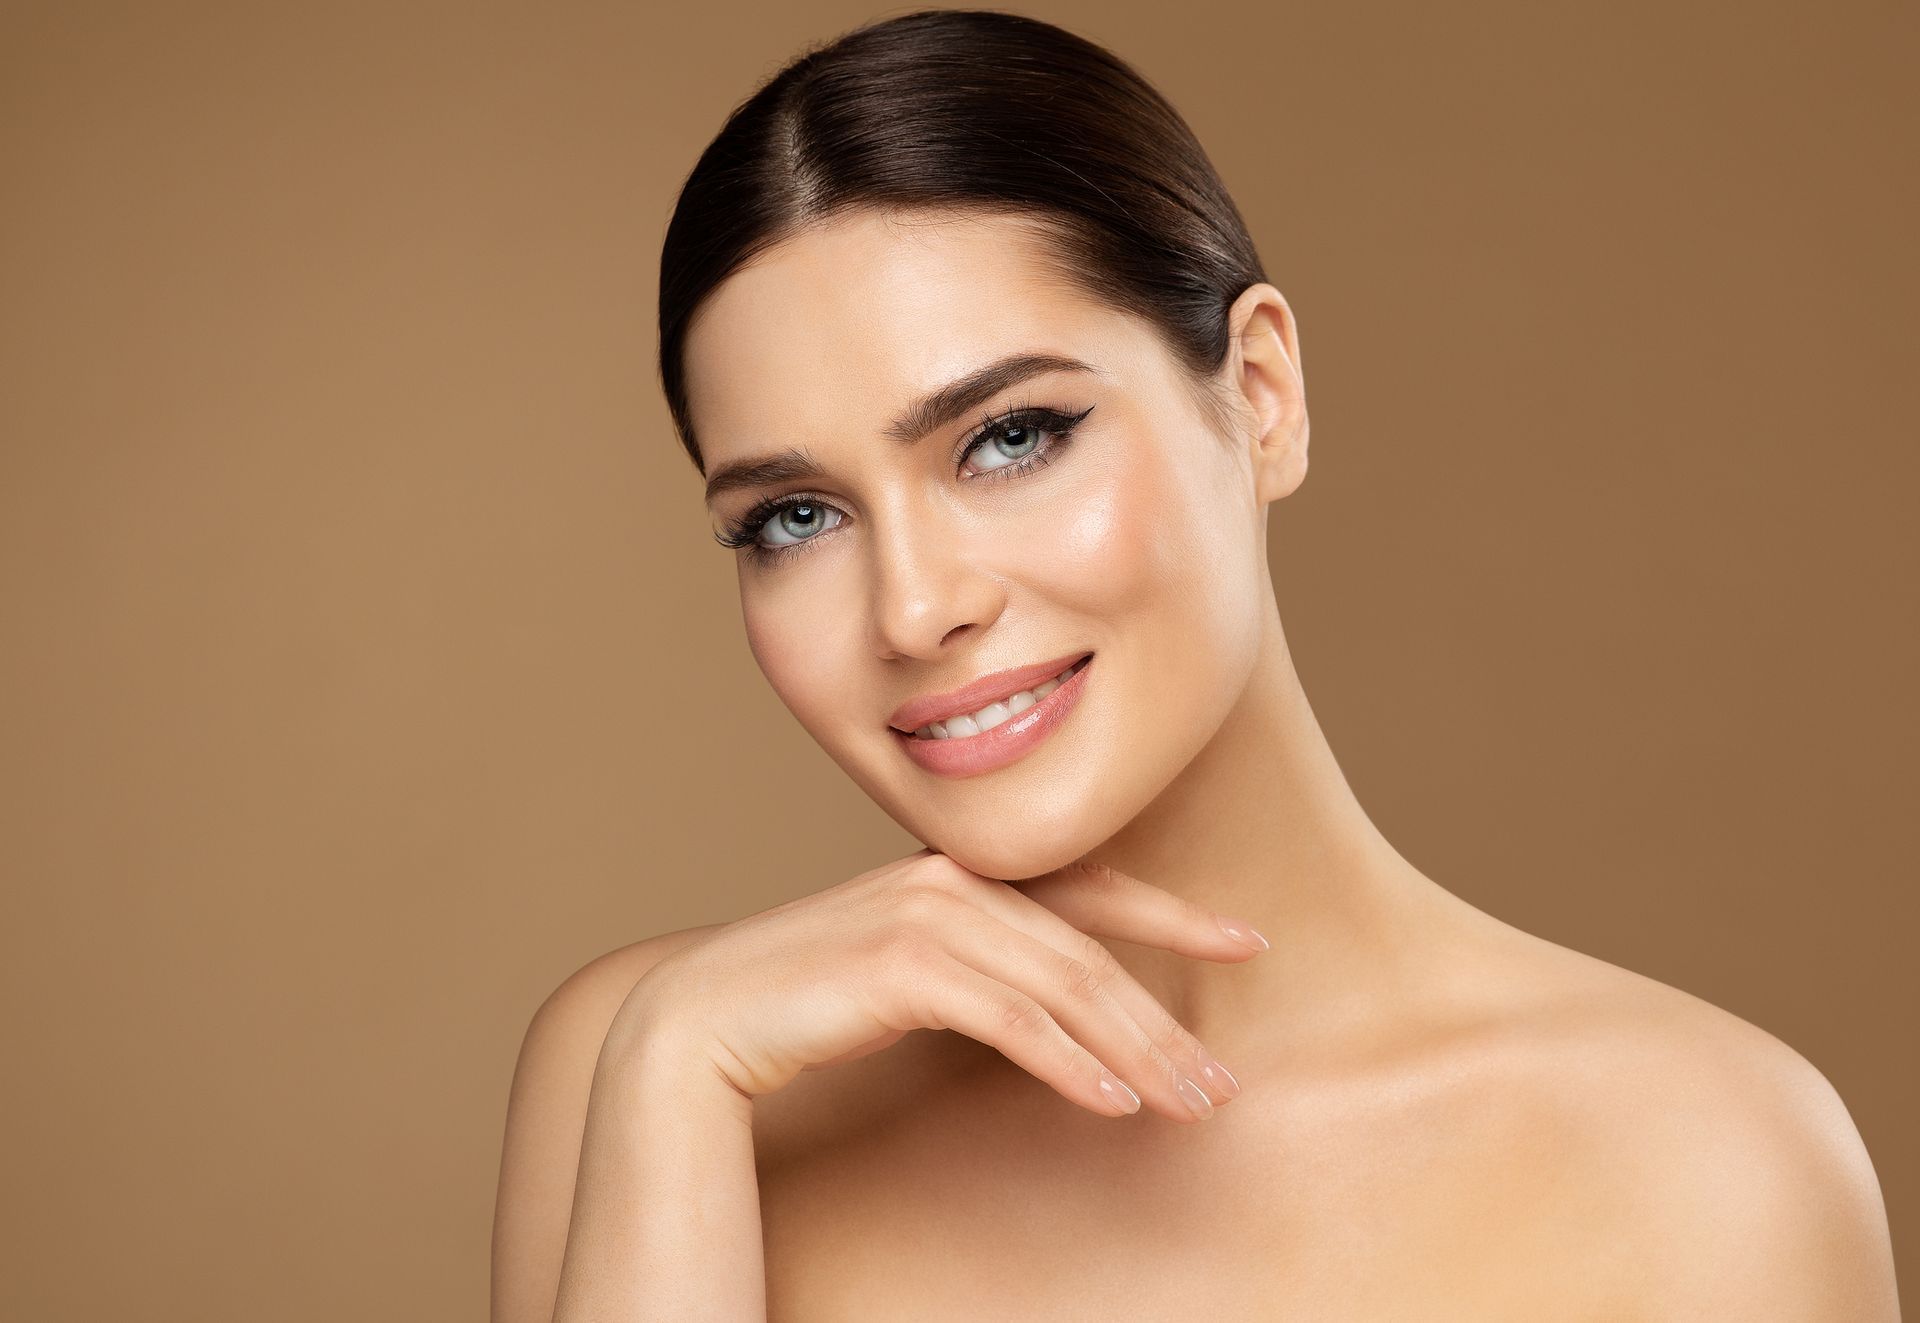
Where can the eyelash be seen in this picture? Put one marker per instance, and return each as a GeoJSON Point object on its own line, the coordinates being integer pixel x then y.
{"type": "Point", "coordinates": [744, 532]}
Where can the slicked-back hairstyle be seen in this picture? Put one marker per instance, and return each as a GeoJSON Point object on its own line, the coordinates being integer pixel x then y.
{"type": "Point", "coordinates": [967, 111]}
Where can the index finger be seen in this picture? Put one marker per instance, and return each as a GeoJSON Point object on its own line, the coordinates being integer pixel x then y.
{"type": "Point", "coordinates": [1100, 900]}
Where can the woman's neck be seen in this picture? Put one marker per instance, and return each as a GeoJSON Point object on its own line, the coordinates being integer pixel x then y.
{"type": "Point", "coordinates": [1262, 826]}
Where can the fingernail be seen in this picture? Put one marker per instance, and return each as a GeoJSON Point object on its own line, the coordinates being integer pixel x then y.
{"type": "Point", "coordinates": [1195, 1098]}
{"type": "Point", "coordinates": [1123, 1099]}
{"type": "Point", "coordinates": [1219, 1077]}
{"type": "Point", "coordinates": [1245, 934]}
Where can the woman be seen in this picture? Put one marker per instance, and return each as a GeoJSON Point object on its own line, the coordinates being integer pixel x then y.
{"type": "Point", "coordinates": [991, 396]}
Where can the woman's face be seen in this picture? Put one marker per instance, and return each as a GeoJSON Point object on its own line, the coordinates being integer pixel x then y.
{"type": "Point", "coordinates": [928, 548]}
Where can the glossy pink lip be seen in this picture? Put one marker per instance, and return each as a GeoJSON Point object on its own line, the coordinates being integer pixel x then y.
{"type": "Point", "coordinates": [1008, 742]}
{"type": "Point", "coordinates": [915, 713]}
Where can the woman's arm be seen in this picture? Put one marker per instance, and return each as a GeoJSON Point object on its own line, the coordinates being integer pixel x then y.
{"type": "Point", "coordinates": [666, 1209]}
{"type": "Point", "coordinates": [546, 1120]}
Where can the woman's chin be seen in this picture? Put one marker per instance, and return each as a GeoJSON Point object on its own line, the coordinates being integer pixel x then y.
{"type": "Point", "coordinates": [992, 858]}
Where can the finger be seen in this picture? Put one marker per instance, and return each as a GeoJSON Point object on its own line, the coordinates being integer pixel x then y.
{"type": "Point", "coordinates": [1099, 899]}
{"type": "Point", "coordinates": [962, 998]}
{"type": "Point", "coordinates": [1081, 1004]}
{"type": "Point", "coordinates": [1019, 911]}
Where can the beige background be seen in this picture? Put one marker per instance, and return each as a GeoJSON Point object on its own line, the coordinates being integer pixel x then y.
{"type": "Point", "coordinates": [367, 665]}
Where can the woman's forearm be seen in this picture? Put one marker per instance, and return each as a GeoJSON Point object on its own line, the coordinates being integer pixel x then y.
{"type": "Point", "coordinates": [666, 1206]}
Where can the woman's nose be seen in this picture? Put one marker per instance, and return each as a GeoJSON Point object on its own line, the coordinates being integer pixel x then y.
{"type": "Point", "coordinates": [928, 585]}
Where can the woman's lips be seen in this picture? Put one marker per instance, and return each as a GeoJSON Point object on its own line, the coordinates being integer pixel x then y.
{"type": "Point", "coordinates": [916, 713]}
{"type": "Point", "coordinates": [1012, 739]}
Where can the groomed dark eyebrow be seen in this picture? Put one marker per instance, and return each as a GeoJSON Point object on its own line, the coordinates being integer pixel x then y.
{"type": "Point", "coordinates": [916, 421]}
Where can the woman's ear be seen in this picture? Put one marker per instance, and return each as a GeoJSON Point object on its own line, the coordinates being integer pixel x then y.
{"type": "Point", "coordinates": [1264, 366]}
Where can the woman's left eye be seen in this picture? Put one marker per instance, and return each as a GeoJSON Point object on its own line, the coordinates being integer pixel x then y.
{"type": "Point", "coordinates": [1010, 443]}
{"type": "Point", "coordinates": [1014, 441]}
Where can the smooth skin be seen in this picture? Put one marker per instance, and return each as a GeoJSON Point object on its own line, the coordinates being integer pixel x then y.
{"type": "Point", "coordinates": [918, 944]}
{"type": "Point", "coordinates": [1439, 1117]}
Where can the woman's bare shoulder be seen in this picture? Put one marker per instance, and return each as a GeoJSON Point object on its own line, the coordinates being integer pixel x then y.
{"type": "Point", "coordinates": [1720, 1154]}
{"type": "Point", "coordinates": [588, 998]}
{"type": "Point", "coordinates": [562, 1043]}
{"type": "Point", "coordinates": [1625, 1035]}
{"type": "Point", "coordinates": [546, 1117]}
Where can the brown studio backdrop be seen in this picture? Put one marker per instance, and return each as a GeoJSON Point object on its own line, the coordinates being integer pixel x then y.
{"type": "Point", "coordinates": [368, 666]}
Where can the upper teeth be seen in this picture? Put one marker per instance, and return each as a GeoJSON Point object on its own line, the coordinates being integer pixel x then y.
{"type": "Point", "coordinates": [973, 723]}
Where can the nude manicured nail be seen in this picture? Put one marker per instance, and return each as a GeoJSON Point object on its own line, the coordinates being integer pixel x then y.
{"type": "Point", "coordinates": [1245, 934]}
{"type": "Point", "coordinates": [1117, 1092]}
{"type": "Point", "coordinates": [1195, 1098]}
{"type": "Point", "coordinates": [1219, 1077]}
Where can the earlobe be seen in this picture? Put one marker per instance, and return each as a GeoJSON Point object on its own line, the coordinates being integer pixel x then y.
{"type": "Point", "coordinates": [1268, 374]}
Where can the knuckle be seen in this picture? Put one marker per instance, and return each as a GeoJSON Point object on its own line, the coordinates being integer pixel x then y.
{"type": "Point", "coordinates": [1078, 981]}
{"type": "Point", "coordinates": [902, 946]}
{"type": "Point", "coordinates": [921, 902]}
{"type": "Point", "coordinates": [941, 871]}
{"type": "Point", "coordinates": [1166, 1032]}
{"type": "Point", "coordinates": [1163, 1064]}
{"type": "Point", "coordinates": [1202, 917]}
{"type": "Point", "coordinates": [957, 879]}
{"type": "Point", "coordinates": [1158, 1059]}
{"type": "Point", "coordinates": [1178, 1044]}
{"type": "Point", "coordinates": [1021, 1014]}
{"type": "Point", "coordinates": [1170, 1063]}
{"type": "Point", "coordinates": [1175, 1046]}
{"type": "Point", "coordinates": [1096, 876]}
{"type": "Point", "coordinates": [1104, 964]}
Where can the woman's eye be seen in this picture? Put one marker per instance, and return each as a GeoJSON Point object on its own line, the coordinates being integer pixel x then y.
{"type": "Point", "coordinates": [1010, 443]}
{"type": "Point", "coordinates": [797, 523]}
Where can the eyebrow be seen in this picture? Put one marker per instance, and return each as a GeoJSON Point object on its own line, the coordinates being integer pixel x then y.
{"type": "Point", "coordinates": [915, 422]}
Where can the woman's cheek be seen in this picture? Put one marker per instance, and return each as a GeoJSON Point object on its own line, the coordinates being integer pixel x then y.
{"type": "Point", "coordinates": [1124, 545]}
{"type": "Point", "coordinates": [1103, 559]}
{"type": "Point", "coordinates": [796, 655]}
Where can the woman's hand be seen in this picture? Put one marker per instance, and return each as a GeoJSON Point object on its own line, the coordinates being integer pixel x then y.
{"type": "Point", "coordinates": [922, 942]}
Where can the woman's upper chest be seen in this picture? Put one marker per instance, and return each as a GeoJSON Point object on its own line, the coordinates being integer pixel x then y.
{"type": "Point", "coordinates": [892, 1197]}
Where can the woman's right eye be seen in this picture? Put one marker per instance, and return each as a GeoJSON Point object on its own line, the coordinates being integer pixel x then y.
{"type": "Point", "coordinates": [809, 520]}
{"type": "Point", "coordinates": [774, 527]}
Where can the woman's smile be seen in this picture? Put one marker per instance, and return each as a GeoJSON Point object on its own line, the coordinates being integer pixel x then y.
{"type": "Point", "coordinates": [932, 714]}
{"type": "Point", "coordinates": [1001, 732]}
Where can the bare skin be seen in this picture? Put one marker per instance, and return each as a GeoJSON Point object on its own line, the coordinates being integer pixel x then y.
{"type": "Point", "coordinates": [1440, 1116]}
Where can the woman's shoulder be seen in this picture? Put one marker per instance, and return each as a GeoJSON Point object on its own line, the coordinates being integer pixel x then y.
{"type": "Point", "coordinates": [546, 1117]}
{"type": "Point", "coordinates": [561, 1046]}
{"type": "Point", "coordinates": [563, 1038]}
{"type": "Point", "coordinates": [587, 999]}
{"type": "Point", "coordinates": [1722, 1155]}
{"type": "Point", "coordinates": [1627, 1036]}
{"type": "Point", "coordinates": [562, 1042]}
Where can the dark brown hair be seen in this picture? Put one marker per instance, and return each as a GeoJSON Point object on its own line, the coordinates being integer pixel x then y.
{"type": "Point", "coordinates": [969, 110]}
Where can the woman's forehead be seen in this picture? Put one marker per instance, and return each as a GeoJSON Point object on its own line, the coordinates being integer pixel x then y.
{"type": "Point", "coordinates": [848, 319]}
